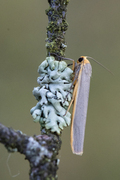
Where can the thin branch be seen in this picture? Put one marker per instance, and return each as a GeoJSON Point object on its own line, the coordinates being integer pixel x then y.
{"type": "Point", "coordinates": [40, 151]}
{"type": "Point", "coordinates": [57, 26]}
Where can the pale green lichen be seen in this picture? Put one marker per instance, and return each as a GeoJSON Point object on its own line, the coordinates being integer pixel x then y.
{"type": "Point", "coordinates": [55, 82]}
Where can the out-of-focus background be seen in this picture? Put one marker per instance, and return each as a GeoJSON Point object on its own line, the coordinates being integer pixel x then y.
{"type": "Point", "coordinates": [94, 30]}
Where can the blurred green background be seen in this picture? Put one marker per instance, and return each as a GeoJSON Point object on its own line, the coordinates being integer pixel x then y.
{"type": "Point", "coordinates": [94, 30]}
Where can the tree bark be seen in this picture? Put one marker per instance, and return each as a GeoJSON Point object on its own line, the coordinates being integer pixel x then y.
{"type": "Point", "coordinates": [41, 151]}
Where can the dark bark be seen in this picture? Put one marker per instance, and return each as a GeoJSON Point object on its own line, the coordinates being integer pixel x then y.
{"type": "Point", "coordinates": [40, 151]}
{"type": "Point", "coordinates": [57, 26]}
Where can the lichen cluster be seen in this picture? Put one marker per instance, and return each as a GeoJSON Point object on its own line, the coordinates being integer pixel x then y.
{"type": "Point", "coordinates": [55, 82]}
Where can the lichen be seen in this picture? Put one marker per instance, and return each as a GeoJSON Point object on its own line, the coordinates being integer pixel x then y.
{"type": "Point", "coordinates": [55, 82]}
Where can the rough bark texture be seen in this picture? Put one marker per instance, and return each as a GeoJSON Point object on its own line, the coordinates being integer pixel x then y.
{"type": "Point", "coordinates": [40, 151]}
{"type": "Point", "coordinates": [57, 25]}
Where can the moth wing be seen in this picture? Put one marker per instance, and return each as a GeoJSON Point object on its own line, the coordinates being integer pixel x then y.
{"type": "Point", "coordinates": [80, 110]}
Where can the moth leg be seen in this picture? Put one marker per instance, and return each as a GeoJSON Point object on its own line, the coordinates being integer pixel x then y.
{"type": "Point", "coordinates": [68, 93]}
{"type": "Point", "coordinates": [74, 93]}
{"type": "Point", "coordinates": [73, 68]}
{"type": "Point", "coordinates": [75, 80]}
{"type": "Point", "coordinates": [69, 64]}
{"type": "Point", "coordinates": [75, 89]}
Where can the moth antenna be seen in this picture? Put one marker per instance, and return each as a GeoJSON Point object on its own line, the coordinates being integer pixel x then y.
{"type": "Point", "coordinates": [99, 64]}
